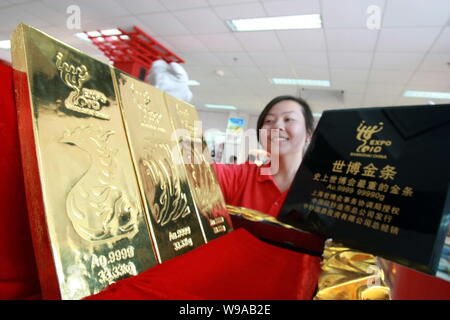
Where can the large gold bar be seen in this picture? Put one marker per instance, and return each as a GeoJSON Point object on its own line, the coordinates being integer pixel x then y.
{"type": "Point", "coordinates": [86, 212]}
{"type": "Point", "coordinates": [172, 213]}
{"type": "Point", "coordinates": [197, 162]}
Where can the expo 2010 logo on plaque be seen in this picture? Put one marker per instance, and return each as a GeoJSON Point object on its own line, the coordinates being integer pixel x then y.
{"type": "Point", "coordinates": [365, 135]}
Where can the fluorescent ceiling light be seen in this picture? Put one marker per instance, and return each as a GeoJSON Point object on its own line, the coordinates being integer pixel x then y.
{"type": "Point", "coordinates": [5, 44]}
{"type": "Point", "coordinates": [193, 83]}
{"type": "Point", "coordinates": [301, 82]}
{"type": "Point", "coordinates": [307, 21]}
{"type": "Point", "coordinates": [317, 115]}
{"type": "Point", "coordinates": [427, 94]}
{"type": "Point", "coordinates": [216, 106]}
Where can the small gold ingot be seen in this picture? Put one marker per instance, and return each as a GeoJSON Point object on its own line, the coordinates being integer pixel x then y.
{"type": "Point", "coordinates": [350, 275]}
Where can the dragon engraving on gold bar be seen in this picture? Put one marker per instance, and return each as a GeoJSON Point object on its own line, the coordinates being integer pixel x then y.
{"type": "Point", "coordinates": [169, 204]}
{"type": "Point", "coordinates": [98, 209]}
{"type": "Point", "coordinates": [167, 201]}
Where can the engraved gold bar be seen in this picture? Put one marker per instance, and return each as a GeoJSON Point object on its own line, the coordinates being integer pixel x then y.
{"type": "Point", "coordinates": [173, 216]}
{"type": "Point", "coordinates": [197, 162]}
{"type": "Point", "coordinates": [86, 212]}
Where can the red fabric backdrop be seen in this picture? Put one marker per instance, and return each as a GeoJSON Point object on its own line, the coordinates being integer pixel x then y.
{"type": "Point", "coordinates": [412, 285]}
{"type": "Point", "coordinates": [18, 273]}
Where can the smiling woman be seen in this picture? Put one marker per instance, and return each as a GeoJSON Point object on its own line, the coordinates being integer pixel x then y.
{"type": "Point", "coordinates": [284, 127]}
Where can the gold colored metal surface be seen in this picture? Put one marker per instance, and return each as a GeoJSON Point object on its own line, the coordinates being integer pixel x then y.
{"type": "Point", "coordinates": [350, 275]}
{"type": "Point", "coordinates": [254, 215]}
{"type": "Point", "coordinates": [197, 162]}
{"type": "Point", "coordinates": [93, 210]}
{"type": "Point", "coordinates": [174, 219]}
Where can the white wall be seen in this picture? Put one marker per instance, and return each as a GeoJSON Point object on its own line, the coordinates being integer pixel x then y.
{"type": "Point", "coordinates": [213, 120]}
{"type": "Point", "coordinates": [214, 124]}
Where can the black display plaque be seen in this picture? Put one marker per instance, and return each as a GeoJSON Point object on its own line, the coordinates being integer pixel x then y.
{"type": "Point", "coordinates": [377, 179]}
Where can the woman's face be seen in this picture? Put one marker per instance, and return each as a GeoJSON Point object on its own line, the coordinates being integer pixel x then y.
{"type": "Point", "coordinates": [284, 130]}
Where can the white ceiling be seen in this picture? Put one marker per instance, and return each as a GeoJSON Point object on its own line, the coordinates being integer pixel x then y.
{"type": "Point", "coordinates": [410, 51]}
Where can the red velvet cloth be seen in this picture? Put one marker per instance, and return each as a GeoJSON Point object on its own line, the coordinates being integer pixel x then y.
{"type": "Point", "coordinates": [18, 272]}
{"type": "Point", "coordinates": [236, 266]}
{"type": "Point", "coordinates": [412, 285]}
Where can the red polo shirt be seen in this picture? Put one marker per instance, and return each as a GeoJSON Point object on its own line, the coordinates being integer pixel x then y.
{"type": "Point", "coordinates": [243, 185]}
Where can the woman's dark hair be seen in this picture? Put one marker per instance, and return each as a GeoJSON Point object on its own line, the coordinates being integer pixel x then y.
{"type": "Point", "coordinates": [307, 114]}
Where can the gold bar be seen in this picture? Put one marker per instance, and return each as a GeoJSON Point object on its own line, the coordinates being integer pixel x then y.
{"type": "Point", "coordinates": [197, 162]}
{"type": "Point", "coordinates": [86, 213]}
{"type": "Point", "coordinates": [172, 214]}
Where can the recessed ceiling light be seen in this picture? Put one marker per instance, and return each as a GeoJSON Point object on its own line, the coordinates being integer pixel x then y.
{"type": "Point", "coordinates": [193, 83]}
{"type": "Point", "coordinates": [427, 94]}
{"type": "Point", "coordinates": [5, 44]}
{"type": "Point", "coordinates": [301, 82]}
{"type": "Point", "coordinates": [217, 106]}
{"type": "Point", "coordinates": [307, 21]}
